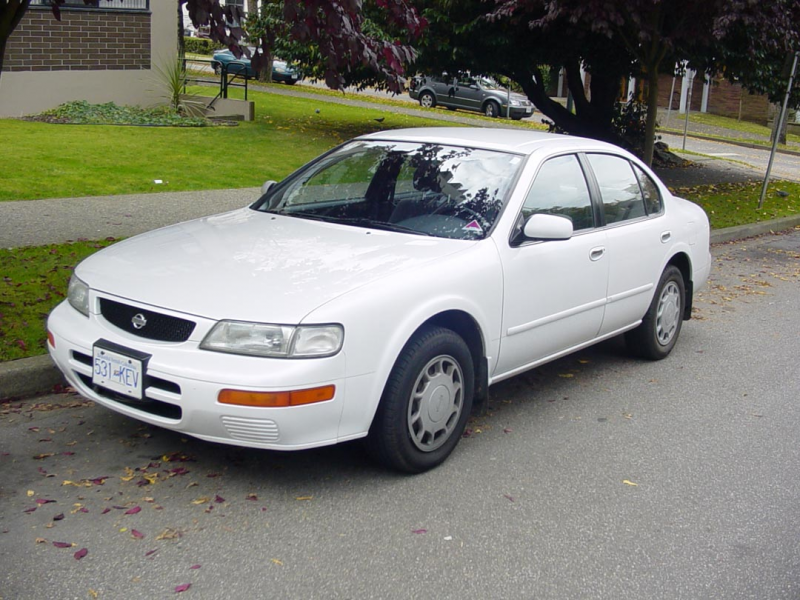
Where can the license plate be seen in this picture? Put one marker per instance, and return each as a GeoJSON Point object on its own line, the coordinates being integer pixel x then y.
{"type": "Point", "coordinates": [117, 372]}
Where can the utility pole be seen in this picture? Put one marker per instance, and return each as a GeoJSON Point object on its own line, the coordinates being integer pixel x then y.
{"type": "Point", "coordinates": [779, 123]}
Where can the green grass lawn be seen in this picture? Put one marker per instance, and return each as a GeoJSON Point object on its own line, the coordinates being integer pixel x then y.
{"type": "Point", "coordinates": [676, 124]}
{"type": "Point", "coordinates": [56, 161]}
{"type": "Point", "coordinates": [728, 205]}
{"type": "Point", "coordinates": [34, 281]}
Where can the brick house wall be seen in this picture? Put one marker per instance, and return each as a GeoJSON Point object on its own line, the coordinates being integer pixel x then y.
{"type": "Point", "coordinates": [724, 99]}
{"type": "Point", "coordinates": [97, 54]}
{"type": "Point", "coordinates": [82, 40]}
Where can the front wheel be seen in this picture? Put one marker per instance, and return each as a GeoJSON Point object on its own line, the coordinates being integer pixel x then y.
{"type": "Point", "coordinates": [492, 109]}
{"type": "Point", "coordinates": [426, 403]}
{"type": "Point", "coordinates": [656, 336]}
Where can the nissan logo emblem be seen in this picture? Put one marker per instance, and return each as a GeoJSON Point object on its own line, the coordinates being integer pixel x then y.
{"type": "Point", "coordinates": [138, 321]}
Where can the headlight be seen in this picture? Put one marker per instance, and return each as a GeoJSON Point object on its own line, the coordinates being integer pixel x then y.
{"type": "Point", "coordinates": [78, 295]}
{"type": "Point", "coordinates": [275, 341]}
{"type": "Point", "coordinates": [515, 103]}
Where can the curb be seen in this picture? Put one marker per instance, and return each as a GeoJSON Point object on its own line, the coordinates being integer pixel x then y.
{"type": "Point", "coordinates": [38, 375]}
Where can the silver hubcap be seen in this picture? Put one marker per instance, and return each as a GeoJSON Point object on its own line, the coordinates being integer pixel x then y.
{"type": "Point", "coordinates": [436, 403]}
{"type": "Point", "coordinates": [426, 101]}
{"type": "Point", "coordinates": [490, 110]}
{"type": "Point", "coordinates": [668, 315]}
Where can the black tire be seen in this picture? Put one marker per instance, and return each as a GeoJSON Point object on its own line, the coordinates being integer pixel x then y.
{"type": "Point", "coordinates": [491, 109]}
{"type": "Point", "coordinates": [656, 336]}
{"type": "Point", "coordinates": [427, 100]}
{"type": "Point", "coordinates": [432, 380]}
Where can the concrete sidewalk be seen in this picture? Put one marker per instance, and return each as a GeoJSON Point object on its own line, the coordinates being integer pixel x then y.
{"type": "Point", "coordinates": [59, 220]}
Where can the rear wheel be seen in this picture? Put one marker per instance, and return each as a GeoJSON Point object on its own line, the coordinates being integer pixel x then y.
{"type": "Point", "coordinates": [656, 336]}
{"type": "Point", "coordinates": [426, 100]}
{"type": "Point", "coordinates": [426, 403]}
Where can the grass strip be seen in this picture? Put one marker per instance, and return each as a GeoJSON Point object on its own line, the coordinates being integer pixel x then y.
{"type": "Point", "coordinates": [35, 280]}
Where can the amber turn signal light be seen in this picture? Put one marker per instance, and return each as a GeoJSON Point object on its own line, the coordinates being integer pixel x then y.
{"type": "Point", "coordinates": [51, 339]}
{"type": "Point", "coordinates": [277, 399]}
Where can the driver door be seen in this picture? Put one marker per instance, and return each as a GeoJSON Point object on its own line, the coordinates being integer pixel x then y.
{"type": "Point", "coordinates": [555, 290]}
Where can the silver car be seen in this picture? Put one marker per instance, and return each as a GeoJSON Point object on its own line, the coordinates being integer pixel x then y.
{"type": "Point", "coordinates": [479, 94]}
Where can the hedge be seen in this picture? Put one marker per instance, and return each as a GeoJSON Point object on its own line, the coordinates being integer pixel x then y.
{"type": "Point", "coordinates": [201, 45]}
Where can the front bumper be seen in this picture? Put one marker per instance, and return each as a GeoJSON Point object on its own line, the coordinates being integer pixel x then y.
{"type": "Point", "coordinates": [182, 384]}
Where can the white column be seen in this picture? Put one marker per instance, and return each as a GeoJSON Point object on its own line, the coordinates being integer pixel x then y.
{"type": "Point", "coordinates": [706, 91]}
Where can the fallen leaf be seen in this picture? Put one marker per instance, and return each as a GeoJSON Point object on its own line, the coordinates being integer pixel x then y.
{"type": "Point", "coordinates": [304, 498]}
{"type": "Point", "coordinates": [93, 593]}
{"type": "Point", "coordinates": [41, 501]}
{"type": "Point", "coordinates": [276, 561]}
{"type": "Point", "coordinates": [63, 545]}
{"type": "Point", "coordinates": [195, 567]}
{"type": "Point", "coordinates": [507, 430]}
{"type": "Point", "coordinates": [626, 482]}
{"type": "Point", "coordinates": [251, 497]}
{"type": "Point", "coordinates": [41, 541]}
{"type": "Point", "coordinates": [169, 534]}
{"type": "Point", "coordinates": [80, 553]}
{"type": "Point", "coordinates": [58, 517]}
{"type": "Point", "coordinates": [201, 500]}
{"type": "Point", "coordinates": [151, 552]}
{"type": "Point", "coordinates": [137, 534]}
{"type": "Point", "coordinates": [133, 511]}
{"type": "Point", "coordinates": [182, 588]}
{"type": "Point", "coordinates": [419, 531]}
{"type": "Point", "coordinates": [509, 498]}
{"type": "Point", "coordinates": [31, 493]}
{"type": "Point", "coordinates": [219, 499]}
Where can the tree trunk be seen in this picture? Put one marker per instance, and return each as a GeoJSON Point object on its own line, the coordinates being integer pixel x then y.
{"type": "Point", "coordinates": [592, 118]}
{"type": "Point", "coordinates": [265, 75]}
{"type": "Point", "coordinates": [10, 16]}
{"type": "Point", "coordinates": [652, 114]}
{"type": "Point", "coordinates": [181, 42]}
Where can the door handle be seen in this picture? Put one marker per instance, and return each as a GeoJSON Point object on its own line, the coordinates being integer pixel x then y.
{"type": "Point", "coordinates": [597, 253]}
{"type": "Point", "coordinates": [665, 237]}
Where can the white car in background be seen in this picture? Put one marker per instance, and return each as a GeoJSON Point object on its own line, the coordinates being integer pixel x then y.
{"type": "Point", "coordinates": [380, 290]}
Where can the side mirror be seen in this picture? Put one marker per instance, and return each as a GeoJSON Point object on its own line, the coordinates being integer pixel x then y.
{"type": "Point", "coordinates": [547, 227]}
{"type": "Point", "coordinates": [267, 185]}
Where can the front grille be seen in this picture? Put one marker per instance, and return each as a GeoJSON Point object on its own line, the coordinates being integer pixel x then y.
{"type": "Point", "coordinates": [160, 327]}
{"type": "Point", "coordinates": [148, 405]}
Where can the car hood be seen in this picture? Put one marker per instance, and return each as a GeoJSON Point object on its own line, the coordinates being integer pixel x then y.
{"type": "Point", "coordinates": [255, 266]}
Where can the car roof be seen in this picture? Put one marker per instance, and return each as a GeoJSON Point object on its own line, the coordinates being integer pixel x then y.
{"type": "Point", "coordinates": [508, 140]}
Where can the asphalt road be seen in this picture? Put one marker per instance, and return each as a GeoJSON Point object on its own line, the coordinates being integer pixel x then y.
{"type": "Point", "coordinates": [785, 166]}
{"type": "Point", "coordinates": [597, 476]}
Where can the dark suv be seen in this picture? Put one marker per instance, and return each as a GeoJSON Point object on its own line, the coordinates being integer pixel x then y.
{"type": "Point", "coordinates": [470, 93]}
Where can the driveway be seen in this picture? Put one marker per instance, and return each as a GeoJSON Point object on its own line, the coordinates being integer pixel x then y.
{"type": "Point", "coordinates": [597, 476]}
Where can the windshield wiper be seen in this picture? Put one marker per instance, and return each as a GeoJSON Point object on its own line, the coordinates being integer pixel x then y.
{"type": "Point", "coordinates": [374, 224]}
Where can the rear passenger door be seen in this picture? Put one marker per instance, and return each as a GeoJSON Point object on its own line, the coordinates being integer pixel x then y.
{"type": "Point", "coordinates": [637, 240]}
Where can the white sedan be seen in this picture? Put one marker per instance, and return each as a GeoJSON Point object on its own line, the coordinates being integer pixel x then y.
{"type": "Point", "coordinates": [381, 289]}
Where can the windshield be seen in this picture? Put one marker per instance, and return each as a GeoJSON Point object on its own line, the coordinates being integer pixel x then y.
{"type": "Point", "coordinates": [426, 189]}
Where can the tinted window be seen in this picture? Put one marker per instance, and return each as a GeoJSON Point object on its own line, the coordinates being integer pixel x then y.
{"type": "Point", "coordinates": [560, 189]}
{"type": "Point", "coordinates": [652, 198]}
{"type": "Point", "coordinates": [619, 188]}
{"type": "Point", "coordinates": [430, 189]}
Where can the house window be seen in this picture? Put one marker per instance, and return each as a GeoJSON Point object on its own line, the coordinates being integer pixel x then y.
{"type": "Point", "coordinates": [100, 4]}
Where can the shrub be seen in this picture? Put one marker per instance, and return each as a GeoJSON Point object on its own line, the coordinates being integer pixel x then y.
{"type": "Point", "coordinates": [201, 45]}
